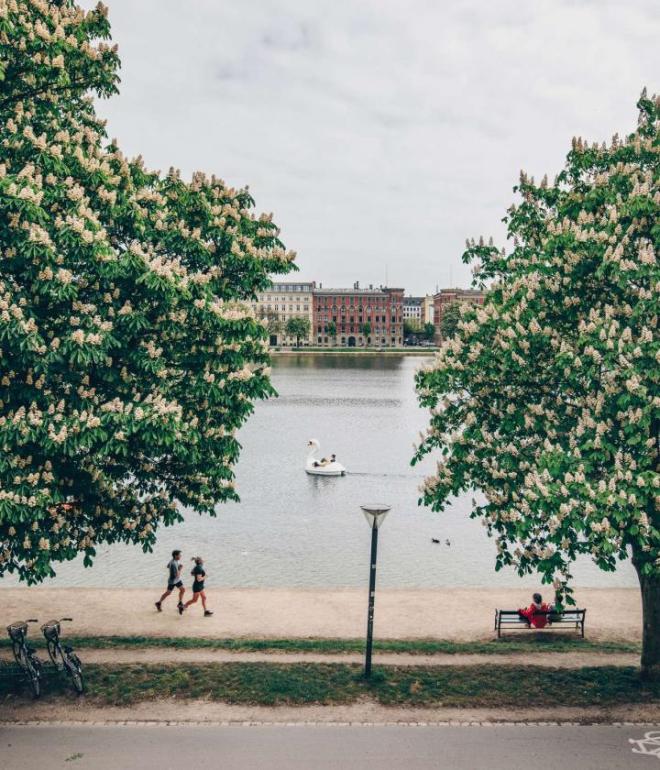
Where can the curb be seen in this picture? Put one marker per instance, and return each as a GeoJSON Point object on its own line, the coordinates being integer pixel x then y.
{"type": "Point", "coordinates": [240, 723]}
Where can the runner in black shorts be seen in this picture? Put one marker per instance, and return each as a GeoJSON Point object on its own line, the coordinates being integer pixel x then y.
{"type": "Point", "coordinates": [174, 569]}
{"type": "Point", "coordinates": [199, 576]}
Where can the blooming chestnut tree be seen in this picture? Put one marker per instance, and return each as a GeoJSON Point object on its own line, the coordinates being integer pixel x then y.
{"type": "Point", "coordinates": [128, 358]}
{"type": "Point", "coordinates": [546, 399]}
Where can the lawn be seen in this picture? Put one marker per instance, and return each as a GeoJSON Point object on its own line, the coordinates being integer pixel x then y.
{"type": "Point", "coordinates": [336, 683]}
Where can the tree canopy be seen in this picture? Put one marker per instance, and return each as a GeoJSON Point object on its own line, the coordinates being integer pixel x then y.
{"type": "Point", "coordinates": [451, 315]}
{"type": "Point", "coordinates": [272, 321]}
{"type": "Point", "coordinates": [546, 399]}
{"type": "Point", "coordinates": [127, 357]}
{"type": "Point", "coordinates": [429, 331]}
{"type": "Point", "coordinates": [298, 326]}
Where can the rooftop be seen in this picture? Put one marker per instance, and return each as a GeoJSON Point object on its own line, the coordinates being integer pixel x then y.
{"type": "Point", "coordinates": [464, 292]}
{"type": "Point", "coordinates": [357, 289]}
{"type": "Point", "coordinates": [290, 286]}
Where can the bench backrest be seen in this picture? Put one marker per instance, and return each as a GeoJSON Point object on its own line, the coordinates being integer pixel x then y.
{"type": "Point", "coordinates": [570, 615]}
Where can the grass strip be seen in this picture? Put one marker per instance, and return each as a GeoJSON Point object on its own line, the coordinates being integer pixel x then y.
{"type": "Point", "coordinates": [305, 683]}
{"type": "Point", "coordinates": [530, 644]}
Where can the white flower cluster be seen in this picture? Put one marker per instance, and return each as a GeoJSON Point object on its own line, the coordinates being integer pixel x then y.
{"type": "Point", "coordinates": [123, 314]}
{"type": "Point", "coordinates": [544, 399]}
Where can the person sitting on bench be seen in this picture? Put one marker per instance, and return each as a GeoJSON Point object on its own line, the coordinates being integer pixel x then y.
{"type": "Point", "coordinates": [537, 613]}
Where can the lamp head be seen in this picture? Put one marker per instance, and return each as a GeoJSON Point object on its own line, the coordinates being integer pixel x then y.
{"type": "Point", "coordinates": [375, 513]}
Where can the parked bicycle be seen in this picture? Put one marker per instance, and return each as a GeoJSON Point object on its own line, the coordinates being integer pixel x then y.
{"type": "Point", "coordinates": [62, 656]}
{"type": "Point", "coordinates": [25, 655]}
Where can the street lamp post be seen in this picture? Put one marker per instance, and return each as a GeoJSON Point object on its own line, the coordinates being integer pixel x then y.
{"type": "Point", "coordinates": [375, 515]}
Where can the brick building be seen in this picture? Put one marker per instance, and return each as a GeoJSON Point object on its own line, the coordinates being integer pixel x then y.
{"type": "Point", "coordinates": [351, 309]}
{"type": "Point", "coordinates": [446, 297]}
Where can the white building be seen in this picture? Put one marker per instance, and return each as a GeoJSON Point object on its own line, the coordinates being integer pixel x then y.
{"type": "Point", "coordinates": [412, 311]}
{"type": "Point", "coordinates": [428, 313]}
{"type": "Point", "coordinates": [281, 302]}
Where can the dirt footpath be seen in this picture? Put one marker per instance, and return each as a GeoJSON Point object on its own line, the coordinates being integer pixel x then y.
{"type": "Point", "coordinates": [164, 712]}
{"type": "Point", "coordinates": [172, 656]}
{"type": "Point", "coordinates": [456, 613]}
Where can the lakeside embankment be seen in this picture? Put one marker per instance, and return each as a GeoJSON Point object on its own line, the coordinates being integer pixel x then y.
{"type": "Point", "coordinates": [356, 351]}
{"type": "Point", "coordinates": [455, 613]}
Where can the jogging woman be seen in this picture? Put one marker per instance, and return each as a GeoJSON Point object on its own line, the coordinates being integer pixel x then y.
{"type": "Point", "coordinates": [199, 575]}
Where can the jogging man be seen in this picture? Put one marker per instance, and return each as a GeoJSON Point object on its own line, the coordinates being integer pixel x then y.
{"type": "Point", "coordinates": [174, 569]}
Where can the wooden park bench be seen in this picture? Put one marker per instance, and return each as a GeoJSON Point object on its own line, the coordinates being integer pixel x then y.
{"type": "Point", "coordinates": [510, 619]}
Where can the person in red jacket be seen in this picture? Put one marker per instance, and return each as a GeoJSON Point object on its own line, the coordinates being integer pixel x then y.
{"type": "Point", "coordinates": [537, 613]}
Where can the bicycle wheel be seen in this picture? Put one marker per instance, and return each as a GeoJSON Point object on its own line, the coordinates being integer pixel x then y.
{"type": "Point", "coordinates": [55, 654]}
{"type": "Point", "coordinates": [16, 649]}
{"type": "Point", "coordinates": [74, 670]}
{"type": "Point", "coordinates": [33, 671]}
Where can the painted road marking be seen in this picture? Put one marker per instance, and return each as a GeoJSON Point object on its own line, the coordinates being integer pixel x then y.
{"type": "Point", "coordinates": [649, 744]}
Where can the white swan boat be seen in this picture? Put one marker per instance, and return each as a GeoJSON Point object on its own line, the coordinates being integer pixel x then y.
{"type": "Point", "coordinates": [316, 467]}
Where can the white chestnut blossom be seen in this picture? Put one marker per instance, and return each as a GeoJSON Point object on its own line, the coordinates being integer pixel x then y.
{"type": "Point", "coordinates": [546, 399]}
{"type": "Point", "coordinates": [129, 355]}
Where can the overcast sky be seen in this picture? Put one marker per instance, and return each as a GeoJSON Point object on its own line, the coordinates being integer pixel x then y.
{"type": "Point", "coordinates": [381, 133]}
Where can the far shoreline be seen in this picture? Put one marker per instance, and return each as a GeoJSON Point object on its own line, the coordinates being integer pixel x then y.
{"type": "Point", "coordinates": [355, 351]}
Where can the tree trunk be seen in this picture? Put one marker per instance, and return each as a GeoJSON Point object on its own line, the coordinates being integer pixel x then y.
{"type": "Point", "coordinates": [650, 586]}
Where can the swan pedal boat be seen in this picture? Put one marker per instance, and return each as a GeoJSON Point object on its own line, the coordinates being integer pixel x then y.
{"type": "Point", "coordinates": [329, 469]}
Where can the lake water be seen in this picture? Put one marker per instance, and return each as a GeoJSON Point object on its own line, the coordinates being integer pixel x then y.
{"type": "Point", "coordinates": [295, 530]}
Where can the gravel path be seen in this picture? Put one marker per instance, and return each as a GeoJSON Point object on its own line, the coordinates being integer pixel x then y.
{"type": "Point", "coordinates": [162, 712]}
{"type": "Point", "coordinates": [452, 613]}
{"type": "Point", "coordinates": [160, 655]}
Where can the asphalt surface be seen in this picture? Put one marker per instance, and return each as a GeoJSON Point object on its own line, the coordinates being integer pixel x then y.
{"type": "Point", "coordinates": [319, 747]}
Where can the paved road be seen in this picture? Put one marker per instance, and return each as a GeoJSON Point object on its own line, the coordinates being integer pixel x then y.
{"type": "Point", "coordinates": [306, 747]}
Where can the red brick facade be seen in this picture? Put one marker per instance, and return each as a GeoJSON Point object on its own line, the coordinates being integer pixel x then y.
{"type": "Point", "coordinates": [448, 296]}
{"type": "Point", "coordinates": [351, 309]}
